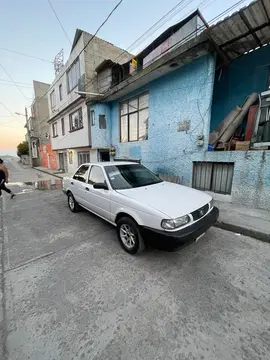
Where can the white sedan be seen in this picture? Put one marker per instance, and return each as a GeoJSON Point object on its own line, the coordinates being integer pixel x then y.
{"type": "Point", "coordinates": [143, 208]}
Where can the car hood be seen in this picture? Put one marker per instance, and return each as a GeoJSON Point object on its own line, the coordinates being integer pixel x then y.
{"type": "Point", "coordinates": [171, 199]}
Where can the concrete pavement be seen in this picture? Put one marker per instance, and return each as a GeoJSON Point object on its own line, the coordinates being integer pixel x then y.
{"type": "Point", "coordinates": [71, 292]}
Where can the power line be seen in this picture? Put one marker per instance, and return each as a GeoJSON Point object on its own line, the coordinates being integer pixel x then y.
{"type": "Point", "coordinates": [22, 86]}
{"type": "Point", "coordinates": [26, 55]}
{"type": "Point", "coordinates": [14, 82]}
{"type": "Point", "coordinates": [104, 22]}
{"type": "Point", "coordinates": [17, 82]}
{"type": "Point", "coordinates": [59, 21]}
{"type": "Point", "coordinates": [9, 111]}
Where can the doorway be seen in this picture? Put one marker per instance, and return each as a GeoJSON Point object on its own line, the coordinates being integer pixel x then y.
{"type": "Point", "coordinates": [104, 155]}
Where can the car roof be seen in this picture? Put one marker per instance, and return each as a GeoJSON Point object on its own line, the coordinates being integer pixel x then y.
{"type": "Point", "coordinates": [111, 163]}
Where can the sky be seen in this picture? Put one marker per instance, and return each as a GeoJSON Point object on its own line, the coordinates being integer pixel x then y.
{"type": "Point", "coordinates": [30, 27]}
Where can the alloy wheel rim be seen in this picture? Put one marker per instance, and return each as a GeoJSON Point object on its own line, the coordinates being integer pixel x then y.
{"type": "Point", "coordinates": [71, 203]}
{"type": "Point", "coordinates": [127, 236]}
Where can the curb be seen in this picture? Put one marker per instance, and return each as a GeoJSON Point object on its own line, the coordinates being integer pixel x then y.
{"type": "Point", "coordinates": [46, 172]}
{"type": "Point", "coordinates": [244, 231]}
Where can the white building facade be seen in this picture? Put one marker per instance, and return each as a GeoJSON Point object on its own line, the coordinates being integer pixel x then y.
{"type": "Point", "coordinates": [70, 123]}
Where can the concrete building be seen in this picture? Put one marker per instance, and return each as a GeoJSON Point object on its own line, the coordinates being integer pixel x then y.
{"type": "Point", "coordinates": [69, 118]}
{"type": "Point", "coordinates": [161, 107]}
{"type": "Point", "coordinates": [40, 129]}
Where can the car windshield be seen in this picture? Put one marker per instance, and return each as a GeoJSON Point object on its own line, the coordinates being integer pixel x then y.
{"type": "Point", "coordinates": [130, 176]}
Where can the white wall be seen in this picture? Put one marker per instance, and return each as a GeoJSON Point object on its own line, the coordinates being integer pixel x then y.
{"type": "Point", "coordinates": [71, 139]}
{"type": "Point", "coordinates": [72, 96]}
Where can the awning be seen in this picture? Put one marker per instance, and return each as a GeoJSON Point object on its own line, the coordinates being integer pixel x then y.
{"type": "Point", "coordinates": [243, 31]}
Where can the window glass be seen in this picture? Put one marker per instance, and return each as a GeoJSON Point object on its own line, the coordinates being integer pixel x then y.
{"type": "Point", "coordinates": [143, 124]}
{"type": "Point", "coordinates": [124, 108]}
{"type": "Point", "coordinates": [92, 116]}
{"type": "Point", "coordinates": [134, 115]}
{"type": "Point", "coordinates": [81, 174]}
{"type": "Point", "coordinates": [133, 127]}
{"type": "Point", "coordinates": [73, 75]}
{"type": "Point", "coordinates": [60, 92]}
{"type": "Point", "coordinates": [144, 101]}
{"type": "Point", "coordinates": [76, 120]}
{"type": "Point", "coordinates": [52, 97]}
{"type": "Point", "coordinates": [130, 176]}
{"type": "Point", "coordinates": [54, 129]}
{"type": "Point", "coordinates": [124, 128]}
{"type": "Point", "coordinates": [96, 175]}
{"type": "Point", "coordinates": [63, 126]}
{"type": "Point", "coordinates": [102, 121]}
{"type": "Point", "coordinates": [133, 105]}
{"type": "Point", "coordinates": [83, 157]}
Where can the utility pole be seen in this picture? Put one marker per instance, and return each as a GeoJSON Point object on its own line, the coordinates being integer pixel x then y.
{"type": "Point", "coordinates": [28, 138]}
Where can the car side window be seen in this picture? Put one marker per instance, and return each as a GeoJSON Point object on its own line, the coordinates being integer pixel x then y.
{"type": "Point", "coordinates": [81, 174]}
{"type": "Point", "coordinates": [96, 175]}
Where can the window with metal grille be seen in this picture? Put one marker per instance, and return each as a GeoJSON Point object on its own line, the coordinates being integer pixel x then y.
{"type": "Point", "coordinates": [83, 157]}
{"type": "Point", "coordinates": [213, 176]}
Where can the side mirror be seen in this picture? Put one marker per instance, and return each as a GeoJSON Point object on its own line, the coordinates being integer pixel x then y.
{"type": "Point", "coordinates": [101, 186]}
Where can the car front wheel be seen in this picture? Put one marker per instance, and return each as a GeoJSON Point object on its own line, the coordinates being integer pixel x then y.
{"type": "Point", "coordinates": [72, 203]}
{"type": "Point", "coordinates": [129, 236]}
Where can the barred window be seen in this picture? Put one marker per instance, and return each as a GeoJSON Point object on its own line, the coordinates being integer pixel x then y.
{"type": "Point", "coordinates": [76, 120]}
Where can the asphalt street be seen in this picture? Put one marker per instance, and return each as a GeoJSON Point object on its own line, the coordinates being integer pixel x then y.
{"type": "Point", "coordinates": [70, 292]}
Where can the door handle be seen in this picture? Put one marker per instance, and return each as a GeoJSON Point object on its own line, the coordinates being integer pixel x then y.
{"type": "Point", "coordinates": [71, 182]}
{"type": "Point", "coordinates": [87, 189]}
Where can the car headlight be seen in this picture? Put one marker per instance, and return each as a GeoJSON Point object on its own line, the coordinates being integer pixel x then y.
{"type": "Point", "coordinates": [211, 204]}
{"type": "Point", "coordinates": [170, 224]}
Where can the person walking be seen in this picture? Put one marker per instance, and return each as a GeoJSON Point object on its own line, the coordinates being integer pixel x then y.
{"type": "Point", "coordinates": [4, 179]}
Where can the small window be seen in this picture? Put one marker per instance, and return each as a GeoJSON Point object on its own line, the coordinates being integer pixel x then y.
{"type": "Point", "coordinates": [83, 157]}
{"type": "Point", "coordinates": [102, 121]}
{"type": "Point", "coordinates": [60, 92]}
{"type": "Point", "coordinates": [76, 120]}
{"type": "Point", "coordinates": [54, 129]}
{"type": "Point", "coordinates": [81, 174]}
{"type": "Point", "coordinates": [213, 176]}
{"type": "Point", "coordinates": [52, 99]}
{"type": "Point", "coordinates": [63, 126]}
{"type": "Point", "coordinates": [92, 116]}
{"type": "Point", "coordinates": [96, 175]}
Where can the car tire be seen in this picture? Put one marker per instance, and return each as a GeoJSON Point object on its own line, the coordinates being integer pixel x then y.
{"type": "Point", "coordinates": [129, 236]}
{"type": "Point", "coordinates": [72, 203]}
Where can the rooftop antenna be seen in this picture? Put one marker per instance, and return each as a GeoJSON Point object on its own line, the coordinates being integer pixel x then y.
{"type": "Point", "coordinates": [58, 62]}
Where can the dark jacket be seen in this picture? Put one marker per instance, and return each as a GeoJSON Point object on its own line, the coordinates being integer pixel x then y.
{"type": "Point", "coordinates": [2, 176]}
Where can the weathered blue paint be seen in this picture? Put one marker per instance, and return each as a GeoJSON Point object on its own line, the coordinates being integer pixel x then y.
{"type": "Point", "coordinates": [184, 94]}
{"type": "Point", "coordinates": [245, 75]}
{"type": "Point", "coordinates": [251, 181]}
{"type": "Point", "coordinates": [101, 137]}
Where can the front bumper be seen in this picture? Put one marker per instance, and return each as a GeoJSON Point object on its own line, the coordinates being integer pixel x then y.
{"type": "Point", "coordinates": [173, 240]}
{"type": "Point", "coordinates": [64, 191]}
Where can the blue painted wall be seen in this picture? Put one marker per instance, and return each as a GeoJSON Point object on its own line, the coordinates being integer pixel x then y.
{"type": "Point", "coordinates": [101, 137]}
{"type": "Point", "coordinates": [185, 94]}
{"type": "Point", "coordinates": [234, 83]}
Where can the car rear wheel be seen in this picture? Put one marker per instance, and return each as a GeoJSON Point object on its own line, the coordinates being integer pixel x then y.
{"type": "Point", "coordinates": [129, 236]}
{"type": "Point", "coordinates": [72, 203]}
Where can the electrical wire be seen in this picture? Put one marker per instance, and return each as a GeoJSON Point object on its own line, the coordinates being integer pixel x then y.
{"type": "Point", "coordinates": [59, 22]}
{"type": "Point", "coordinates": [27, 99]}
{"type": "Point", "coordinates": [104, 22]}
{"type": "Point", "coordinates": [188, 36]}
{"type": "Point", "coordinates": [26, 55]}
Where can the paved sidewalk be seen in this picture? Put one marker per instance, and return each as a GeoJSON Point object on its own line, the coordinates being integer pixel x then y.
{"type": "Point", "coordinates": [233, 217]}
{"type": "Point", "coordinates": [243, 220]}
{"type": "Point", "coordinates": [55, 173]}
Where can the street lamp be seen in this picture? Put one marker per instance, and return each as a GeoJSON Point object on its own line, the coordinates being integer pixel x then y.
{"type": "Point", "coordinates": [28, 135]}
